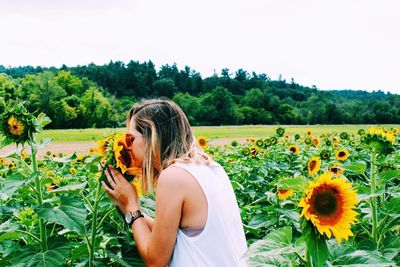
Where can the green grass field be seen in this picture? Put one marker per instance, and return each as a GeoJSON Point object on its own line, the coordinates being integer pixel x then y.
{"type": "Point", "coordinates": [211, 132]}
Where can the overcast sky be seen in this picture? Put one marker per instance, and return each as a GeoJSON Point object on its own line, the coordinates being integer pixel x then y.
{"type": "Point", "coordinates": [332, 44]}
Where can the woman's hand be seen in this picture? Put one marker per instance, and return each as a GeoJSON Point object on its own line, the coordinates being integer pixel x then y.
{"type": "Point", "coordinates": [122, 193]}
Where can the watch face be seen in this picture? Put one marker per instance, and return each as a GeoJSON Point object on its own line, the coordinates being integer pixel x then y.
{"type": "Point", "coordinates": [128, 217]}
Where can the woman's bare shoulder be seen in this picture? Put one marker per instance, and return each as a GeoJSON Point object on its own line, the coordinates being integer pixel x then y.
{"type": "Point", "coordinates": [174, 175]}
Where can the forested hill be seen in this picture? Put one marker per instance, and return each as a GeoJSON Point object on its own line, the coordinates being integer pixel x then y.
{"type": "Point", "coordinates": [99, 96]}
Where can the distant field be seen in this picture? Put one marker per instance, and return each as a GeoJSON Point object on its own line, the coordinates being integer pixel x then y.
{"type": "Point", "coordinates": [211, 132]}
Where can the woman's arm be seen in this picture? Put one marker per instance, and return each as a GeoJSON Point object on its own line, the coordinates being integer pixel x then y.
{"type": "Point", "coordinates": [155, 243]}
{"type": "Point", "coordinates": [149, 221]}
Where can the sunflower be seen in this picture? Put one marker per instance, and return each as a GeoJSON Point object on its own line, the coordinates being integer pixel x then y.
{"type": "Point", "coordinates": [352, 143]}
{"type": "Point", "coordinates": [284, 193]}
{"type": "Point", "coordinates": [325, 154]}
{"type": "Point", "coordinates": [23, 155]}
{"type": "Point", "coordinates": [122, 156]}
{"type": "Point", "coordinates": [267, 142]}
{"type": "Point", "coordinates": [335, 169]}
{"type": "Point", "coordinates": [308, 141]}
{"type": "Point", "coordinates": [361, 132]}
{"type": "Point", "coordinates": [80, 158]}
{"type": "Point", "coordinates": [280, 131]}
{"type": "Point", "coordinates": [72, 170]}
{"type": "Point", "coordinates": [260, 143]}
{"type": "Point", "coordinates": [18, 125]}
{"type": "Point", "coordinates": [309, 133]}
{"type": "Point", "coordinates": [251, 140]}
{"type": "Point", "coordinates": [273, 140]}
{"type": "Point", "coordinates": [329, 204]}
{"type": "Point", "coordinates": [395, 131]}
{"type": "Point", "coordinates": [342, 154]}
{"type": "Point", "coordinates": [138, 185]}
{"type": "Point", "coordinates": [50, 174]}
{"type": "Point", "coordinates": [246, 151]}
{"type": "Point", "coordinates": [314, 165]}
{"type": "Point", "coordinates": [202, 142]}
{"type": "Point", "coordinates": [335, 140]}
{"type": "Point", "coordinates": [253, 151]}
{"type": "Point", "coordinates": [344, 135]}
{"type": "Point", "coordinates": [295, 149]}
{"type": "Point", "coordinates": [262, 152]}
{"type": "Point", "coordinates": [328, 142]}
{"type": "Point", "coordinates": [315, 141]}
{"type": "Point", "coordinates": [231, 160]}
{"type": "Point", "coordinates": [51, 187]}
{"type": "Point", "coordinates": [15, 126]}
{"type": "Point", "coordinates": [11, 165]}
{"type": "Point", "coordinates": [102, 146]}
{"type": "Point", "coordinates": [296, 136]}
{"type": "Point", "coordinates": [3, 161]}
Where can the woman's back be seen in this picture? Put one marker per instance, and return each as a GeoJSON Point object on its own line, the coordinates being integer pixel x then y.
{"type": "Point", "coordinates": [222, 241]}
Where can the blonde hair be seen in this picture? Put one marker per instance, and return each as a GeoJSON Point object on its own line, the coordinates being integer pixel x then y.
{"type": "Point", "coordinates": [167, 138]}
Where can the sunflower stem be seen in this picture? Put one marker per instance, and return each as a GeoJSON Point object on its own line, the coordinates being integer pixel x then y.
{"type": "Point", "coordinates": [94, 226]}
{"type": "Point", "coordinates": [39, 199]}
{"type": "Point", "coordinates": [277, 212]}
{"type": "Point", "coordinates": [308, 258]}
{"type": "Point", "coordinates": [373, 201]}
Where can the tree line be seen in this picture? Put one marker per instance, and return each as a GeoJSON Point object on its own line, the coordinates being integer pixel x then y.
{"type": "Point", "coordinates": [100, 96]}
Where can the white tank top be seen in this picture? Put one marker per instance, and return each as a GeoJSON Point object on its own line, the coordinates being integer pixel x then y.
{"type": "Point", "coordinates": [222, 241]}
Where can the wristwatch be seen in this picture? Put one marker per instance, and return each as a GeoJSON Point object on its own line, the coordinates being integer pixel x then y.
{"type": "Point", "coordinates": [132, 216]}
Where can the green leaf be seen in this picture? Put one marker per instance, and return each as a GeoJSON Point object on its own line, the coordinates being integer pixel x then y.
{"type": "Point", "coordinates": [65, 159]}
{"type": "Point", "coordinates": [297, 184]}
{"type": "Point", "coordinates": [267, 261]}
{"type": "Point", "coordinates": [392, 206]}
{"type": "Point", "coordinates": [7, 231]}
{"type": "Point", "coordinates": [361, 258]}
{"type": "Point", "coordinates": [44, 142]}
{"type": "Point", "coordinates": [60, 244]}
{"type": "Point", "coordinates": [70, 188]}
{"type": "Point", "coordinates": [41, 121]}
{"type": "Point", "coordinates": [387, 176]}
{"type": "Point", "coordinates": [28, 258]}
{"type": "Point", "coordinates": [390, 247]}
{"type": "Point", "coordinates": [316, 244]}
{"type": "Point", "coordinates": [71, 214]}
{"type": "Point", "coordinates": [275, 247]}
{"type": "Point", "coordinates": [12, 184]}
{"type": "Point", "coordinates": [356, 167]}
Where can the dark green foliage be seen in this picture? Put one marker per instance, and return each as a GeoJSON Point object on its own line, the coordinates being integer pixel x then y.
{"type": "Point", "coordinates": [100, 96]}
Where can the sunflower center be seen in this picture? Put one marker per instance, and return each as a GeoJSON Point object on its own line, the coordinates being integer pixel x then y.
{"type": "Point", "coordinates": [342, 154]}
{"type": "Point", "coordinates": [293, 149]}
{"type": "Point", "coordinates": [327, 204]}
{"type": "Point", "coordinates": [313, 163]}
{"type": "Point", "coordinates": [15, 127]}
{"type": "Point", "coordinates": [125, 157]}
{"type": "Point", "coordinates": [202, 142]}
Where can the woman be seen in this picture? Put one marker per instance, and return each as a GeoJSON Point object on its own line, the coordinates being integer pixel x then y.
{"type": "Point", "coordinates": [197, 221]}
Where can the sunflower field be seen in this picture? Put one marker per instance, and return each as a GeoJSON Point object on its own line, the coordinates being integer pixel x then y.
{"type": "Point", "coordinates": [306, 200]}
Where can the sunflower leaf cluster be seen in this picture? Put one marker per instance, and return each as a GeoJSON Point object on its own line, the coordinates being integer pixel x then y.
{"type": "Point", "coordinates": [380, 140]}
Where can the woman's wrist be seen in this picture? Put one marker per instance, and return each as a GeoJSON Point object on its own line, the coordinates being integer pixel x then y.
{"type": "Point", "coordinates": [131, 207]}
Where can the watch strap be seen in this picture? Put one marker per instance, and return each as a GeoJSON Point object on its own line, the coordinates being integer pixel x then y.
{"type": "Point", "coordinates": [135, 215]}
